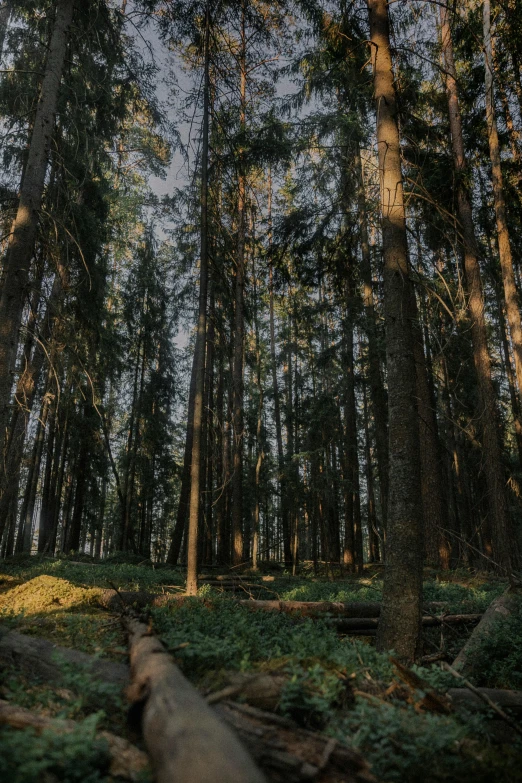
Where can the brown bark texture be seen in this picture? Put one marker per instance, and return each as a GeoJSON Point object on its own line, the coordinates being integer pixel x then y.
{"type": "Point", "coordinates": [401, 608]}
{"type": "Point", "coordinates": [185, 740]}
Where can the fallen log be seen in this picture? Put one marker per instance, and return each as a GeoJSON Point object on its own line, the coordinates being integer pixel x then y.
{"type": "Point", "coordinates": [486, 699]}
{"type": "Point", "coordinates": [115, 600]}
{"type": "Point", "coordinates": [37, 657]}
{"type": "Point", "coordinates": [462, 698]}
{"type": "Point", "coordinates": [126, 761]}
{"type": "Point", "coordinates": [362, 624]}
{"type": "Point", "coordinates": [501, 607]}
{"type": "Point", "coordinates": [289, 754]}
{"type": "Point", "coordinates": [185, 739]}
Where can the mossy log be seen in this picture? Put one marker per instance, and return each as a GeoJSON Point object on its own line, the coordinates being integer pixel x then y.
{"type": "Point", "coordinates": [500, 608]}
{"type": "Point", "coordinates": [37, 657]}
{"type": "Point", "coordinates": [126, 761]}
{"type": "Point", "coordinates": [186, 740]}
{"type": "Point", "coordinates": [289, 754]}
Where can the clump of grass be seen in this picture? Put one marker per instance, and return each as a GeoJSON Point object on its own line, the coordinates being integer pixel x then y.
{"type": "Point", "coordinates": [76, 757]}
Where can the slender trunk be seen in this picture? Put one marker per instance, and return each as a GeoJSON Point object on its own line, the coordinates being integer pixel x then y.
{"type": "Point", "coordinates": [45, 530]}
{"type": "Point", "coordinates": [353, 550]}
{"type": "Point", "coordinates": [290, 445]}
{"type": "Point", "coordinates": [72, 541]}
{"type": "Point", "coordinates": [434, 509]}
{"type": "Point", "coordinates": [377, 390]}
{"type": "Point", "coordinates": [504, 246]}
{"type": "Point", "coordinates": [371, 515]}
{"type": "Point", "coordinates": [222, 546]}
{"type": "Point", "coordinates": [400, 623]}
{"type": "Point", "coordinates": [184, 495]}
{"type": "Point", "coordinates": [61, 459]}
{"type": "Point", "coordinates": [15, 273]}
{"type": "Point", "coordinates": [504, 552]}
{"type": "Point", "coordinates": [208, 462]}
{"type": "Point", "coordinates": [24, 540]}
{"type": "Point", "coordinates": [259, 446]}
{"type": "Point", "coordinates": [196, 468]}
{"type": "Point", "coordinates": [125, 532]}
{"type": "Point", "coordinates": [277, 404]}
{"type": "Point", "coordinates": [239, 326]}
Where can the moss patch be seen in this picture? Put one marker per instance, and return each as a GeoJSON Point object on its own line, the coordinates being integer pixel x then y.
{"type": "Point", "coordinates": [46, 594]}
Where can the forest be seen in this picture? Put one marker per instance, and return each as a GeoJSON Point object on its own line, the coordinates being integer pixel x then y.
{"type": "Point", "coordinates": [260, 391]}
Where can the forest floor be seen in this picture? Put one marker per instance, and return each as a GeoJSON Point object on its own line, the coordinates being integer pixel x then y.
{"type": "Point", "coordinates": [335, 684]}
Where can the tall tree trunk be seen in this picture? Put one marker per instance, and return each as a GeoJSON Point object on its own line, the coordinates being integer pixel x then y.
{"type": "Point", "coordinates": [353, 550]}
{"type": "Point", "coordinates": [377, 391]}
{"type": "Point", "coordinates": [74, 530]}
{"type": "Point", "coordinates": [260, 455]}
{"type": "Point", "coordinates": [223, 547]}
{"type": "Point", "coordinates": [277, 402]}
{"type": "Point", "coordinates": [504, 246]}
{"type": "Point", "coordinates": [24, 539]}
{"type": "Point", "coordinates": [45, 530]}
{"type": "Point", "coordinates": [196, 467]}
{"type": "Point", "coordinates": [15, 273]}
{"type": "Point", "coordinates": [239, 325]}
{"type": "Point", "coordinates": [434, 509]}
{"type": "Point", "coordinates": [184, 495]}
{"type": "Point", "coordinates": [371, 515]}
{"type": "Point", "coordinates": [208, 527]}
{"type": "Point", "coordinates": [400, 621]}
{"type": "Point", "coordinates": [515, 400]}
{"type": "Point", "coordinates": [504, 552]}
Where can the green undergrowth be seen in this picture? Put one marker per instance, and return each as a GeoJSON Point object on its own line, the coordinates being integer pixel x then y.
{"type": "Point", "coordinates": [341, 686]}
{"type": "Point", "coordinates": [325, 675]}
{"type": "Point", "coordinates": [496, 662]}
{"type": "Point", "coordinates": [76, 757]}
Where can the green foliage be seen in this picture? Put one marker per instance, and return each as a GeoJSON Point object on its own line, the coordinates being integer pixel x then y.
{"type": "Point", "coordinates": [496, 661]}
{"type": "Point", "coordinates": [123, 575]}
{"type": "Point", "coordinates": [221, 634]}
{"type": "Point", "coordinates": [76, 757]}
{"type": "Point", "coordinates": [409, 747]}
{"type": "Point", "coordinates": [323, 670]}
{"type": "Point", "coordinates": [310, 695]}
{"type": "Point", "coordinates": [90, 693]}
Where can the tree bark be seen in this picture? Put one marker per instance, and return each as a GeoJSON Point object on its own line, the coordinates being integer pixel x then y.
{"type": "Point", "coordinates": [504, 246]}
{"type": "Point", "coordinates": [239, 326]}
{"type": "Point", "coordinates": [196, 467]}
{"type": "Point", "coordinates": [185, 740]}
{"type": "Point", "coordinates": [402, 594]}
{"type": "Point", "coordinates": [377, 390]}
